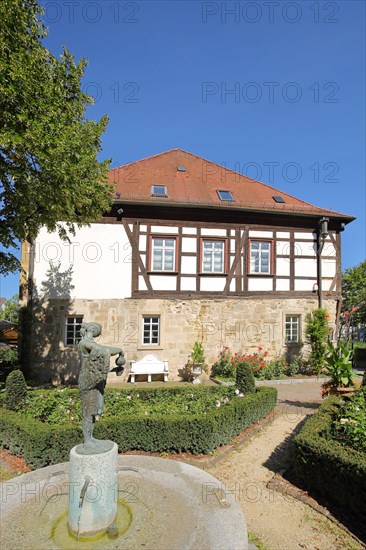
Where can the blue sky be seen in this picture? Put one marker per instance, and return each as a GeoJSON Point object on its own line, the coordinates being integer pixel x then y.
{"type": "Point", "coordinates": [275, 90]}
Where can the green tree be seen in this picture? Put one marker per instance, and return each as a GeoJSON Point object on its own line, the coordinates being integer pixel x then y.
{"type": "Point", "coordinates": [49, 170]}
{"type": "Point", "coordinates": [354, 294]}
{"type": "Point", "coordinates": [10, 311]}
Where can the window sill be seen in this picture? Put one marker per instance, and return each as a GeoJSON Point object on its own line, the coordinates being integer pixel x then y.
{"type": "Point", "coordinates": [293, 344]}
{"type": "Point", "coordinates": [260, 274]}
{"type": "Point", "coordinates": [211, 274]}
{"type": "Point", "coordinates": [149, 347]}
{"type": "Point", "coordinates": [162, 272]}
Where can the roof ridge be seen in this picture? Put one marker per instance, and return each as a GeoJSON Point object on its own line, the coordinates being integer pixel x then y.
{"type": "Point", "coordinates": [149, 157]}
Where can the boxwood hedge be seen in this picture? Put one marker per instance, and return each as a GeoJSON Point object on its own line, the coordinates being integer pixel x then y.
{"type": "Point", "coordinates": [42, 444]}
{"type": "Point", "coordinates": [329, 468]}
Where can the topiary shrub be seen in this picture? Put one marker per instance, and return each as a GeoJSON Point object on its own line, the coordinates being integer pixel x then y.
{"type": "Point", "coordinates": [15, 390]}
{"type": "Point", "coordinates": [244, 378]}
{"type": "Point", "coordinates": [317, 331]}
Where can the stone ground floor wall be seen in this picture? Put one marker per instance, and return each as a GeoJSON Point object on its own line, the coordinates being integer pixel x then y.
{"type": "Point", "coordinates": [241, 324]}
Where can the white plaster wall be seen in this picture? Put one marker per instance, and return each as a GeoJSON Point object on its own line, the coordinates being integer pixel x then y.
{"type": "Point", "coordinates": [100, 257]}
{"type": "Point", "coordinates": [283, 266]}
{"type": "Point", "coordinates": [163, 282]}
{"type": "Point", "coordinates": [329, 249]}
{"type": "Point", "coordinates": [328, 268]}
{"type": "Point", "coordinates": [305, 235]}
{"type": "Point", "coordinates": [304, 284]}
{"type": "Point", "coordinates": [189, 231]}
{"type": "Point", "coordinates": [260, 284]}
{"type": "Point", "coordinates": [282, 284]}
{"type": "Point", "coordinates": [305, 267]}
{"type": "Point", "coordinates": [189, 245]}
{"type": "Point", "coordinates": [142, 284]}
{"type": "Point", "coordinates": [142, 242]}
{"type": "Point", "coordinates": [267, 234]}
{"type": "Point", "coordinates": [213, 284]}
{"type": "Point", "coordinates": [164, 229]}
{"type": "Point", "coordinates": [206, 232]}
{"type": "Point", "coordinates": [283, 248]}
{"type": "Point", "coordinates": [305, 249]}
{"type": "Point", "coordinates": [189, 265]}
{"type": "Point", "coordinates": [232, 245]}
{"type": "Point", "coordinates": [188, 283]}
{"type": "Point", "coordinates": [326, 284]}
{"type": "Point", "coordinates": [283, 234]}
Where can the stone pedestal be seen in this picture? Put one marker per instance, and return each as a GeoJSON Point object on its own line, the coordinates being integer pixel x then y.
{"type": "Point", "coordinates": [93, 491]}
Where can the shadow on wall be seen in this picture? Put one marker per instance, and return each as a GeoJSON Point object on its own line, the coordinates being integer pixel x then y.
{"type": "Point", "coordinates": [50, 359]}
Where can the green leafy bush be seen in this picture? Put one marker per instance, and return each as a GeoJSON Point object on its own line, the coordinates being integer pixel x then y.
{"type": "Point", "coordinates": [8, 361]}
{"type": "Point", "coordinates": [15, 390]}
{"type": "Point", "coordinates": [328, 467]}
{"type": "Point", "coordinates": [349, 426]}
{"type": "Point", "coordinates": [245, 378]}
{"type": "Point", "coordinates": [42, 444]}
{"type": "Point", "coordinates": [275, 369]}
{"type": "Point", "coordinates": [317, 331]}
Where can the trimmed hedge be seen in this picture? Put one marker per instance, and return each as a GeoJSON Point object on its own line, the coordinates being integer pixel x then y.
{"type": "Point", "coordinates": [333, 470]}
{"type": "Point", "coordinates": [41, 444]}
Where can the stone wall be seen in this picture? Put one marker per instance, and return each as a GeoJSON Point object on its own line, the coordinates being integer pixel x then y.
{"type": "Point", "coordinates": [242, 324]}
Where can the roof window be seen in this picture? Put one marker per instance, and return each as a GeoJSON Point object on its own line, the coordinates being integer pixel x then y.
{"type": "Point", "coordinates": [159, 191]}
{"type": "Point", "coordinates": [181, 169]}
{"type": "Point", "coordinates": [278, 198]}
{"type": "Point", "coordinates": [225, 195]}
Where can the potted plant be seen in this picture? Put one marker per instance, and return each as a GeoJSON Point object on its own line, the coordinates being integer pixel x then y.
{"type": "Point", "coordinates": [339, 368]}
{"type": "Point", "coordinates": [196, 362]}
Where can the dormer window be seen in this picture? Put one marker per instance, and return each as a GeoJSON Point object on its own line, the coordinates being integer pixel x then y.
{"type": "Point", "coordinates": [225, 195]}
{"type": "Point", "coordinates": [159, 191]}
{"type": "Point", "coordinates": [278, 198]}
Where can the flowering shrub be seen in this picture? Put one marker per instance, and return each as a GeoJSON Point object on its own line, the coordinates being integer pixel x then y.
{"type": "Point", "coordinates": [227, 363]}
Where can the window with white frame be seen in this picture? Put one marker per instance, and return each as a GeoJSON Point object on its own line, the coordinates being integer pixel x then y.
{"type": "Point", "coordinates": [260, 257]}
{"type": "Point", "coordinates": [292, 329]}
{"type": "Point", "coordinates": [163, 254]}
{"type": "Point", "coordinates": [213, 256]}
{"type": "Point", "coordinates": [151, 330]}
{"type": "Point", "coordinates": [72, 330]}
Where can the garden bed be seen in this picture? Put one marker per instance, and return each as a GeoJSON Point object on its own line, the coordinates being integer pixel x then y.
{"type": "Point", "coordinates": [328, 466]}
{"type": "Point", "coordinates": [194, 420]}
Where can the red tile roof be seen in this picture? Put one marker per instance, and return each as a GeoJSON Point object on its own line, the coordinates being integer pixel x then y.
{"type": "Point", "coordinates": [198, 186]}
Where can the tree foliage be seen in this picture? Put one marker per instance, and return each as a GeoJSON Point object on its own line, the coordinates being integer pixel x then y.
{"type": "Point", "coordinates": [10, 311]}
{"type": "Point", "coordinates": [49, 170]}
{"type": "Point", "coordinates": [354, 293]}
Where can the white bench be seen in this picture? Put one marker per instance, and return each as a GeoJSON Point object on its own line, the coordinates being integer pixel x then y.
{"type": "Point", "coordinates": [149, 365]}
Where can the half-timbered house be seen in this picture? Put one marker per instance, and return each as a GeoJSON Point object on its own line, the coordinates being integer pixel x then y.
{"type": "Point", "coordinates": [189, 251]}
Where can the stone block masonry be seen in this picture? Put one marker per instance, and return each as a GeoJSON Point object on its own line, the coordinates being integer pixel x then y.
{"type": "Point", "coordinates": [242, 324]}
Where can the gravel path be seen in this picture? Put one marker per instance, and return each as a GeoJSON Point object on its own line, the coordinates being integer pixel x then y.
{"type": "Point", "coordinates": [280, 521]}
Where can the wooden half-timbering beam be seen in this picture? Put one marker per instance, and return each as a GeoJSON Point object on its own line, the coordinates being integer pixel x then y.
{"type": "Point", "coordinates": [136, 254]}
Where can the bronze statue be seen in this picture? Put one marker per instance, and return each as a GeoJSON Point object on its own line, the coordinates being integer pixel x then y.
{"type": "Point", "coordinates": [92, 380]}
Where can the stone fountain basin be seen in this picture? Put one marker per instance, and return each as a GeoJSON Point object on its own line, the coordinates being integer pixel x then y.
{"type": "Point", "coordinates": [174, 506]}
